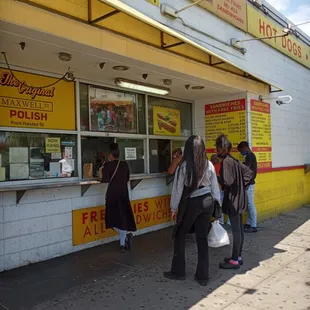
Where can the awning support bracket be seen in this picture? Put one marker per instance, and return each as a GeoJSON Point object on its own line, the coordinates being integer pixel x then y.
{"type": "Point", "coordinates": [84, 189]}
{"type": "Point", "coordinates": [164, 45]}
{"type": "Point", "coordinates": [134, 183]}
{"type": "Point", "coordinates": [217, 63]}
{"type": "Point", "coordinates": [19, 195]}
{"type": "Point", "coordinates": [172, 45]}
{"type": "Point", "coordinates": [274, 91]}
{"type": "Point", "coordinates": [101, 18]}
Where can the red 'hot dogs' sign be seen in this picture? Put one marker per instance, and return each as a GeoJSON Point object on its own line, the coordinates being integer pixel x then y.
{"type": "Point", "coordinates": [260, 25]}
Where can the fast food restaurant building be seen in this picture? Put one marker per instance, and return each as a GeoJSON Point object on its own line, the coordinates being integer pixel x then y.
{"type": "Point", "coordinates": [147, 77]}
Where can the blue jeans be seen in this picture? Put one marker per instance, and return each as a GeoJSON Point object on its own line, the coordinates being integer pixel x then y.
{"type": "Point", "coordinates": [222, 217]}
{"type": "Point", "coordinates": [252, 214]}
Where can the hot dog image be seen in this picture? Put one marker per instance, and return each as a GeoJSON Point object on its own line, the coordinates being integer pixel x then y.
{"type": "Point", "coordinates": [166, 122]}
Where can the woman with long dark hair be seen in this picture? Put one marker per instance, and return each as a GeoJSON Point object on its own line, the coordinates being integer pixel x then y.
{"type": "Point", "coordinates": [235, 178]}
{"type": "Point", "coordinates": [192, 205]}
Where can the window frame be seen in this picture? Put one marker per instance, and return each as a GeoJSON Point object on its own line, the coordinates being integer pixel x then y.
{"type": "Point", "coordinates": [79, 133]}
{"type": "Point", "coordinates": [146, 137]}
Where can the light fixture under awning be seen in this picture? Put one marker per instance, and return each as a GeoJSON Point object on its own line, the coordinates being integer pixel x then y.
{"type": "Point", "coordinates": [142, 87]}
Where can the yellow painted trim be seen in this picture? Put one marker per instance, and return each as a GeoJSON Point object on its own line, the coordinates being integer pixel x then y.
{"type": "Point", "coordinates": [31, 17]}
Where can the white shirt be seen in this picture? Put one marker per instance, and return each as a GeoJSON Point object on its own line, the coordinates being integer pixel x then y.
{"type": "Point", "coordinates": [209, 183]}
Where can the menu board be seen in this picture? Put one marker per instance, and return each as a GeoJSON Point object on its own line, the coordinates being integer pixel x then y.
{"type": "Point", "coordinates": [261, 134]}
{"type": "Point", "coordinates": [227, 118]}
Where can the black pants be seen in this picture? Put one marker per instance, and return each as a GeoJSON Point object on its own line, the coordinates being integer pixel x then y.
{"type": "Point", "coordinates": [198, 214]}
{"type": "Point", "coordinates": [238, 235]}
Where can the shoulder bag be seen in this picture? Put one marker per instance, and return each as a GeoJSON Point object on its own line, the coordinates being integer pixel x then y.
{"type": "Point", "coordinates": [112, 177]}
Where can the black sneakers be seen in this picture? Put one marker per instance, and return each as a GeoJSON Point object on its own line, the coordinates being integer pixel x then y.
{"type": "Point", "coordinates": [201, 282]}
{"type": "Point", "coordinates": [251, 230]}
{"type": "Point", "coordinates": [228, 265]}
{"type": "Point", "coordinates": [171, 276]}
{"type": "Point", "coordinates": [227, 260]}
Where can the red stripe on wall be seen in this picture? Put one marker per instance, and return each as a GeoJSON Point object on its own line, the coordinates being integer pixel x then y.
{"type": "Point", "coordinates": [281, 169]}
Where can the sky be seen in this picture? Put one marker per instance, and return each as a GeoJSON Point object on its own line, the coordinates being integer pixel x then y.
{"type": "Point", "coordinates": [298, 11]}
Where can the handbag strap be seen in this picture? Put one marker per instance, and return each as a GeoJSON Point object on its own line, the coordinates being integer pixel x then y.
{"type": "Point", "coordinates": [114, 172]}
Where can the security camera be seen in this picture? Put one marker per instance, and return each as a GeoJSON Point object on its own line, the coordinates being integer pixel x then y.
{"type": "Point", "coordinates": [145, 76]}
{"type": "Point", "coordinates": [279, 100]}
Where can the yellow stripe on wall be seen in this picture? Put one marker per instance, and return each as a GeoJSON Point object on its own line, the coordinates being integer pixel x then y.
{"type": "Point", "coordinates": [281, 191]}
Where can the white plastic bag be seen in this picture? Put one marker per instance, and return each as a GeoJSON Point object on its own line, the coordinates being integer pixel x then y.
{"type": "Point", "coordinates": [218, 236]}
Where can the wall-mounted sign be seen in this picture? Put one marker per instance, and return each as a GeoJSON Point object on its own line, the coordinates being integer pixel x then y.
{"type": "Point", "coordinates": [167, 122]}
{"type": "Point", "coordinates": [260, 25]}
{"type": "Point", "coordinates": [23, 105]}
{"type": "Point", "coordinates": [155, 2]}
{"type": "Point", "coordinates": [261, 134]}
{"type": "Point", "coordinates": [227, 118]}
{"type": "Point", "coordinates": [233, 11]}
{"type": "Point", "coordinates": [88, 224]}
{"type": "Point", "coordinates": [130, 153]}
{"type": "Point", "coordinates": [52, 145]}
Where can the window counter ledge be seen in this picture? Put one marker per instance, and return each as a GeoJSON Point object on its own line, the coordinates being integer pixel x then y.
{"type": "Point", "coordinates": [21, 189]}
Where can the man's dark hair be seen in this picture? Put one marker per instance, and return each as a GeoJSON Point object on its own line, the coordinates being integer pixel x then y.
{"type": "Point", "coordinates": [243, 144]}
{"type": "Point", "coordinates": [115, 153]}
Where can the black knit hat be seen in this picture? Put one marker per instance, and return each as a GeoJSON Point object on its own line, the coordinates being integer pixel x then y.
{"type": "Point", "coordinates": [114, 146]}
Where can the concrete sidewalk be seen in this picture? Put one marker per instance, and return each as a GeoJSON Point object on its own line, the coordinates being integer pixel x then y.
{"type": "Point", "coordinates": [276, 275]}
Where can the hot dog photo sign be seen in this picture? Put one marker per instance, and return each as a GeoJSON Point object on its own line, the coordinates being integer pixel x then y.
{"type": "Point", "coordinates": [166, 121]}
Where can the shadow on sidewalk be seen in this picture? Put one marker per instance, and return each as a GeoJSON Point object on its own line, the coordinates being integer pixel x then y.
{"type": "Point", "coordinates": [102, 278]}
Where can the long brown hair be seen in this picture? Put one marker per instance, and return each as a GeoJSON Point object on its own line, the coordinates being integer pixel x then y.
{"type": "Point", "coordinates": [196, 161]}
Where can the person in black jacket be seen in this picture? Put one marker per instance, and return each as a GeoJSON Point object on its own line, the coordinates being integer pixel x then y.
{"type": "Point", "coordinates": [119, 215]}
{"type": "Point", "coordinates": [251, 162]}
{"type": "Point", "coordinates": [234, 179]}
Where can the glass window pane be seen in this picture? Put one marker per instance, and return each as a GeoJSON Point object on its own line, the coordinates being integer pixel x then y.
{"type": "Point", "coordinates": [160, 155]}
{"type": "Point", "coordinates": [169, 117]}
{"type": "Point", "coordinates": [94, 153]}
{"type": "Point", "coordinates": [25, 156]}
{"type": "Point", "coordinates": [178, 144]}
{"type": "Point", "coordinates": [112, 111]}
{"type": "Point", "coordinates": [132, 151]}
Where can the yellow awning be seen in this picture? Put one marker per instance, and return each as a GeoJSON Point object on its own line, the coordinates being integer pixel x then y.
{"type": "Point", "coordinates": [219, 60]}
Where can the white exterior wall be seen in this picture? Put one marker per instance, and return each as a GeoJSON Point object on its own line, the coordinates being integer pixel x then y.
{"type": "Point", "coordinates": [40, 226]}
{"type": "Point", "coordinates": [290, 123]}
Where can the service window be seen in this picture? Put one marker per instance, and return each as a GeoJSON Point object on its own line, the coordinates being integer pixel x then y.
{"type": "Point", "coordinates": [169, 117]}
{"type": "Point", "coordinates": [160, 155]}
{"type": "Point", "coordinates": [95, 151]}
{"type": "Point", "coordinates": [178, 145]}
{"type": "Point", "coordinates": [25, 156]}
{"type": "Point", "coordinates": [132, 151]}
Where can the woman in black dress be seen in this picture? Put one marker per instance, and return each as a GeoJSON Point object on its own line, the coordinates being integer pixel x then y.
{"type": "Point", "coordinates": [119, 215]}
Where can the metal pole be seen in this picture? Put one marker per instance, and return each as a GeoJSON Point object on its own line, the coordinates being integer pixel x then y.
{"type": "Point", "coordinates": [293, 26]}
{"type": "Point", "coordinates": [188, 6]}
{"type": "Point", "coordinates": [263, 38]}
